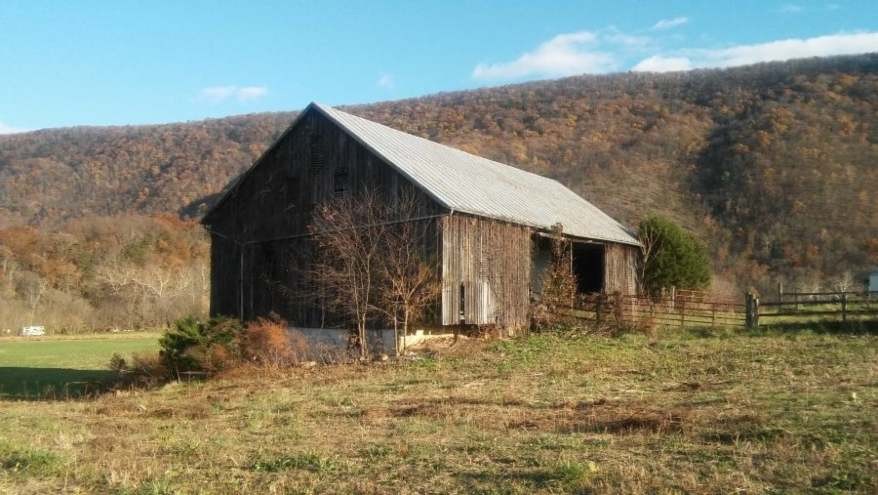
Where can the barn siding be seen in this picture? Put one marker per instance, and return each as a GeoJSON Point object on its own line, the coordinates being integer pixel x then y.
{"type": "Point", "coordinates": [277, 197]}
{"type": "Point", "coordinates": [224, 277]}
{"type": "Point", "coordinates": [264, 221]}
{"type": "Point", "coordinates": [620, 269]}
{"type": "Point", "coordinates": [491, 260]}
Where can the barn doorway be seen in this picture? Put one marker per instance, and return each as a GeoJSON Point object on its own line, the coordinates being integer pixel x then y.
{"type": "Point", "coordinates": [588, 266]}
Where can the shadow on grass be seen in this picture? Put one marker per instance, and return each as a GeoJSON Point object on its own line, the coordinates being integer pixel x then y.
{"type": "Point", "coordinates": [18, 383]}
{"type": "Point", "coordinates": [769, 328]}
{"type": "Point", "coordinates": [839, 327]}
{"type": "Point", "coordinates": [560, 475]}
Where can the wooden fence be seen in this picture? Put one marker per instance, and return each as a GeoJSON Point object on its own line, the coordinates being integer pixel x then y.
{"type": "Point", "coordinates": [791, 307]}
{"type": "Point", "coordinates": [698, 309]}
{"type": "Point", "coordinates": [671, 309]}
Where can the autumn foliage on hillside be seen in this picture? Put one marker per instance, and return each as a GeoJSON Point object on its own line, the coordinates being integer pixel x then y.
{"type": "Point", "coordinates": [55, 175]}
{"type": "Point", "coordinates": [116, 272]}
{"type": "Point", "coordinates": [772, 166]}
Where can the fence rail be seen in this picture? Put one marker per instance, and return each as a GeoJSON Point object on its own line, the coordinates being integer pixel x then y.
{"type": "Point", "coordinates": [792, 305]}
{"type": "Point", "coordinates": [690, 308]}
{"type": "Point", "coordinates": [679, 309]}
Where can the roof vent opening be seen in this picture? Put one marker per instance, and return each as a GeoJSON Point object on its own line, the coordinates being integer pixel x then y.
{"type": "Point", "coordinates": [318, 157]}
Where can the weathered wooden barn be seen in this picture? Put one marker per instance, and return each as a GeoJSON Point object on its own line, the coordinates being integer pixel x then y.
{"type": "Point", "coordinates": [490, 222]}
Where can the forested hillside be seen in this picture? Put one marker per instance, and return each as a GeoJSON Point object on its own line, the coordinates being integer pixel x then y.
{"type": "Point", "coordinates": [58, 174]}
{"type": "Point", "coordinates": [774, 166]}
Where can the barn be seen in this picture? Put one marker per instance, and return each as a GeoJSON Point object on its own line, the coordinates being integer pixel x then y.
{"type": "Point", "coordinates": [490, 223]}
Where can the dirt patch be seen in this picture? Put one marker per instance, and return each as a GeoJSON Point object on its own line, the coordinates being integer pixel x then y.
{"type": "Point", "coordinates": [741, 427]}
{"type": "Point", "coordinates": [598, 416]}
{"type": "Point", "coordinates": [406, 411]}
{"type": "Point", "coordinates": [693, 386]}
{"type": "Point", "coordinates": [631, 422]}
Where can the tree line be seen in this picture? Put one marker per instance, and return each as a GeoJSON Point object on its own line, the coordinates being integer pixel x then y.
{"type": "Point", "coordinates": [121, 272]}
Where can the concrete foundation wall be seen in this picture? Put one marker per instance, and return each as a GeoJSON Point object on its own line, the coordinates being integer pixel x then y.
{"type": "Point", "coordinates": [336, 340]}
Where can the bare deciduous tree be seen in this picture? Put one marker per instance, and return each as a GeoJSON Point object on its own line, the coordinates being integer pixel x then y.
{"type": "Point", "coordinates": [846, 282]}
{"type": "Point", "coordinates": [370, 261]}
{"type": "Point", "coordinates": [348, 239]}
{"type": "Point", "coordinates": [409, 283]}
{"type": "Point", "coordinates": [648, 246]}
{"type": "Point", "coordinates": [33, 287]}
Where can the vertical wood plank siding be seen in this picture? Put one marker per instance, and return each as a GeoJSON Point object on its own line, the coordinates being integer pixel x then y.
{"type": "Point", "coordinates": [620, 268]}
{"type": "Point", "coordinates": [264, 222]}
{"type": "Point", "coordinates": [224, 276]}
{"type": "Point", "coordinates": [491, 261]}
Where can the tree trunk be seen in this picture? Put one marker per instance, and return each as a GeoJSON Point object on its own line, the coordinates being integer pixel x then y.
{"type": "Point", "coordinates": [405, 326]}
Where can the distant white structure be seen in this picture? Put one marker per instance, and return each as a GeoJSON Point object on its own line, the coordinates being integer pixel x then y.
{"type": "Point", "coordinates": [873, 281]}
{"type": "Point", "coordinates": [33, 331]}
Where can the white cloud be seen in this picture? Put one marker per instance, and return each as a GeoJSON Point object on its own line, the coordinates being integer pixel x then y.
{"type": "Point", "coordinates": [248, 93]}
{"type": "Point", "coordinates": [819, 46]}
{"type": "Point", "coordinates": [219, 94]}
{"type": "Point", "coordinates": [616, 37]}
{"type": "Point", "coordinates": [670, 23]}
{"type": "Point", "coordinates": [216, 94]}
{"type": "Point", "coordinates": [385, 81]}
{"type": "Point", "coordinates": [8, 129]}
{"type": "Point", "coordinates": [658, 63]}
{"type": "Point", "coordinates": [790, 8]}
{"type": "Point", "coordinates": [609, 49]}
{"type": "Point", "coordinates": [564, 55]}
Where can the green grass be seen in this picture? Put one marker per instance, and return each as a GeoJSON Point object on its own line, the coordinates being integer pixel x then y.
{"type": "Point", "coordinates": [696, 411]}
{"type": "Point", "coordinates": [51, 367]}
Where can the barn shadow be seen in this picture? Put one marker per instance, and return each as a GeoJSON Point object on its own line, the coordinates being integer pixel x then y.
{"type": "Point", "coordinates": [18, 383]}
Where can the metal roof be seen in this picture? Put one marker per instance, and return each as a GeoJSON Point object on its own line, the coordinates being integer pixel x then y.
{"type": "Point", "coordinates": [467, 183]}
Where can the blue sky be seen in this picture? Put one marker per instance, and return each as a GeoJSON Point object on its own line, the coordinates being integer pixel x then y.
{"type": "Point", "coordinates": [126, 62]}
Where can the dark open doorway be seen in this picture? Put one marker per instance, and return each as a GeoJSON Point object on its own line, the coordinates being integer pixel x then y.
{"type": "Point", "coordinates": [588, 266]}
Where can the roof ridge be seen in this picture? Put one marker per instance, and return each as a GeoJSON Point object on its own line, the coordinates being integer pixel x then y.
{"type": "Point", "coordinates": [327, 109]}
{"type": "Point", "coordinates": [465, 182]}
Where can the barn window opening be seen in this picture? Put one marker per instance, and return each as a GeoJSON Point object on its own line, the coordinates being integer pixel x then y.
{"type": "Point", "coordinates": [318, 157]}
{"type": "Point", "coordinates": [588, 267]}
{"type": "Point", "coordinates": [462, 305]}
{"type": "Point", "coordinates": [340, 181]}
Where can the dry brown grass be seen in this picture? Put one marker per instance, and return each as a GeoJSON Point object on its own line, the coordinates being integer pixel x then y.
{"type": "Point", "coordinates": [688, 413]}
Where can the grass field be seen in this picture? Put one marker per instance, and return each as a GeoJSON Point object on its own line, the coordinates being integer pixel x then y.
{"type": "Point", "coordinates": [694, 411]}
{"type": "Point", "coordinates": [59, 367]}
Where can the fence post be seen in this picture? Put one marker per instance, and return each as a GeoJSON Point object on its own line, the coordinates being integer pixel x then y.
{"type": "Point", "coordinates": [682, 312]}
{"type": "Point", "coordinates": [713, 315]}
{"type": "Point", "coordinates": [844, 306]}
{"type": "Point", "coordinates": [752, 311]}
{"type": "Point", "coordinates": [597, 308]}
{"type": "Point", "coordinates": [755, 311]}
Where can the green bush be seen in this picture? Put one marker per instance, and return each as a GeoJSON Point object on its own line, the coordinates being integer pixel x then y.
{"type": "Point", "coordinates": [195, 345]}
{"type": "Point", "coordinates": [672, 257]}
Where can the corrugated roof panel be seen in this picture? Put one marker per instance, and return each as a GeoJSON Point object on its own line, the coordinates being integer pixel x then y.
{"type": "Point", "coordinates": [471, 184]}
